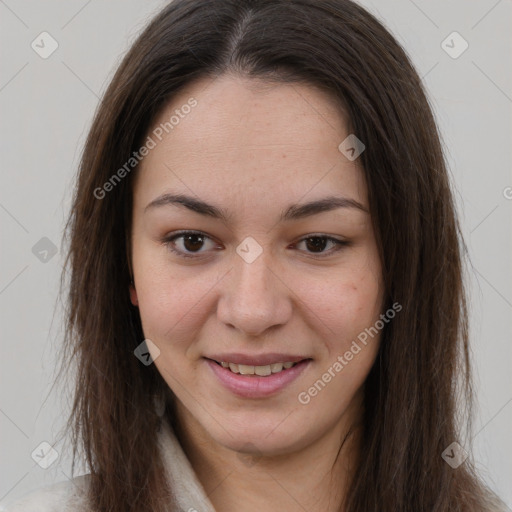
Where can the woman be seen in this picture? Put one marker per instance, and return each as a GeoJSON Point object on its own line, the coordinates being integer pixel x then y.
{"type": "Point", "coordinates": [265, 300]}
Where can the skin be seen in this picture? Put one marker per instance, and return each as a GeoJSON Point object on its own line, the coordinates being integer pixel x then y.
{"type": "Point", "coordinates": [253, 149]}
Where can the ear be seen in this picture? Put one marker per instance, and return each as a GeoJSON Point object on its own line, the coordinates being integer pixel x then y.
{"type": "Point", "coordinates": [133, 295]}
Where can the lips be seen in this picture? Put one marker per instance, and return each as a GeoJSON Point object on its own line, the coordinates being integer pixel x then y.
{"type": "Point", "coordinates": [256, 360]}
{"type": "Point", "coordinates": [262, 384]}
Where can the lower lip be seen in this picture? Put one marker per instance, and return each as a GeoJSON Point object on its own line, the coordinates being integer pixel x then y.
{"type": "Point", "coordinates": [254, 386]}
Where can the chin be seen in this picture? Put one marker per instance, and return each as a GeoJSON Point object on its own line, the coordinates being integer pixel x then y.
{"type": "Point", "coordinates": [271, 435]}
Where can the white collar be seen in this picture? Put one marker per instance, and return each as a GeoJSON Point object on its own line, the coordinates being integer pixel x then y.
{"type": "Point", "coordinates": [185, 485]}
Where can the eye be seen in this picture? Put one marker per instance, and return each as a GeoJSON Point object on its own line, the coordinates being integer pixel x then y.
{"type": "Point", "coordinates": [317, 243]}
{"type": "Point", "coordinates": [191, 243]}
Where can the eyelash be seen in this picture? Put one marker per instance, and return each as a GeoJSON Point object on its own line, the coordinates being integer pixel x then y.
{"type": "Point", "coordinates": [169, 240]}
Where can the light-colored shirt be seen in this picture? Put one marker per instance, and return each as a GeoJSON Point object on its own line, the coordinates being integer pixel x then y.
{"type": "Point", "coordinates": [68, 496]}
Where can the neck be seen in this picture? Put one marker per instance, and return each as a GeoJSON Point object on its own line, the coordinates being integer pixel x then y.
{"type": "Point", "coordinates": [315, 478]}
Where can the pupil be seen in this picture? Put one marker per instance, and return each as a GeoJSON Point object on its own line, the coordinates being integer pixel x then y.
{"type": "Point", "coordinates": [320, 243]}
{"type": "Point", "coordinates": [186, 242]}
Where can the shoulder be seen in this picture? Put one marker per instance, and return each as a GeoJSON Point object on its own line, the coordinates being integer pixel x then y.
{"type": "Point", "coordinates": [65, 496]}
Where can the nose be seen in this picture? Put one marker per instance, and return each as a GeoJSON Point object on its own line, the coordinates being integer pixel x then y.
{"type": "Point", "coordinates": [255, 298]}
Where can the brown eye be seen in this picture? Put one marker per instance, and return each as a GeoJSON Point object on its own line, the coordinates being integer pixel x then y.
{"type": "Point", "coordinates": [187, 243]}
{"type": "Point", "coordinates": [317, 244]}
{"type": "Point", "coordinates": [193, 242]}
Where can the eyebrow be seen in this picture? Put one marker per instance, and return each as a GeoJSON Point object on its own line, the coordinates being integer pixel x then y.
{"type": "Point", "coordinates": [293, 212]}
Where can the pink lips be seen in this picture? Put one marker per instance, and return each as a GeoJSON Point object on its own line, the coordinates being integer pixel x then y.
{"type": "Point", "coordinates": [254, 386]}
{"type": "Point", "coordinates": [256, 360]}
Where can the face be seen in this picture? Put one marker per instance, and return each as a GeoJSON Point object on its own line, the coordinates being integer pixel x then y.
{"type": "Point", "coordinates": [237, 270]}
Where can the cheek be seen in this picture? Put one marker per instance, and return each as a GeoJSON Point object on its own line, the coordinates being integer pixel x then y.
{"type": "Point", "coordinates": [344, 304]}
{"type": "Point", "coordinates": [171, 308]}
{"type": "Point", "coordinates": [349, 312]}
{"type": "Point", "coordinates": [172, 299]}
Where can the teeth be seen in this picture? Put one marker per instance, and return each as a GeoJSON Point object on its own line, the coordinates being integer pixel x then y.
{"type": "Point", "coordinates": [262, 371]}
{"type": "Point", "coordinates": [276, 367]}
{"type": "Point", "coordinates": [245, 369]}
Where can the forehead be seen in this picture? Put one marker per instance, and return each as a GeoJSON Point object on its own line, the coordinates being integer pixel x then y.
{"type": "Point", "coordinates": [246, 139]}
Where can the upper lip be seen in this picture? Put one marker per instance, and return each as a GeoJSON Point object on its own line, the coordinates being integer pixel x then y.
{"type": "Point", "coordinates": [256, 360]}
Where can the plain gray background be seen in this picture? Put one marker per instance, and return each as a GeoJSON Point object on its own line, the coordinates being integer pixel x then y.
{"type": "Point", "coordinates": [46, 106]}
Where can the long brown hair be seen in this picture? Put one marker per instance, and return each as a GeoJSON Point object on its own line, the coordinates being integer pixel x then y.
{"type": "Point", "coordinates": [423, 362]}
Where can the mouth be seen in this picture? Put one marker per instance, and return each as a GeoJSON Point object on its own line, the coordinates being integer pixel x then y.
{"type": "Point", "coordinates": [257, 381]}
{"type": "Point", "coordinates": [260, 371]}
